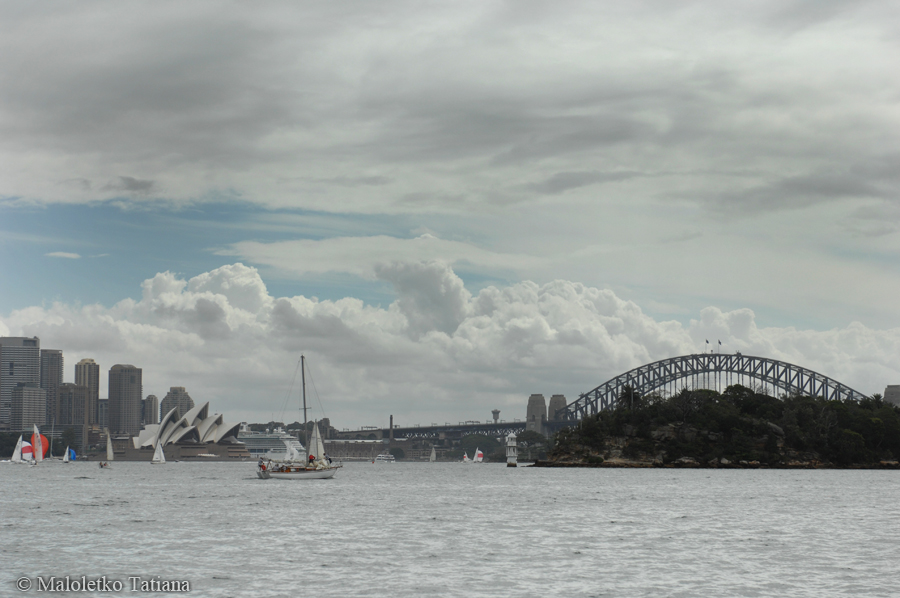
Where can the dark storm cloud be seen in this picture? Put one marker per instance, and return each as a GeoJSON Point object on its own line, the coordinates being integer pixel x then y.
{"type": "Point", "coordinates": [131, 184]}
{"type": "Point", "coordinates": [383, 106]}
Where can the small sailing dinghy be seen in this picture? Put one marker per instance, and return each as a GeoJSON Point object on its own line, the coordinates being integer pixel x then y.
{"type": "Point", "coordinates": [433, 457]}
{"type": "Point", "coordinates": [314, 466]}
{"type": "Point", "coordinates": [66, 456]}
{"type": "Point", "coordinates": [17, 452]}
{"type": "Point", "coordinates": [466, 458]}
{"type": "Point", "coordinates": [479, 456]}
{"type": "Point", "coordinates": [38, 445]}
{"type": "Point", "coordinates": [158, 456]}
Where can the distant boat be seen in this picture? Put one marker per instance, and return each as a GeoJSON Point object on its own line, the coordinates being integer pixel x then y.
{"type": "Point", "coordinates": [37, 444]}
{"type": "Point", "coordinates": [17, 452]}
{"type": "Point", "coordinates": [158, 456]}
{"type": "Point", "coordinates": [110, 455]}
{"type": "Point", "coordinates": [66, 456]}
{"type": "Point", "coordinates": [433, 457]}
{"type": "Point", "coordinates": [385, 457]}
{"type": "Point", "coordinates": [479, 456]}
{"type": "Point", "coordinates": [466, 458]}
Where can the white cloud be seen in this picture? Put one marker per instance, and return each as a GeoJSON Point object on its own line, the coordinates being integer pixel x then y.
{"type": "Point", "coordinates": [63, 254]}
{"type": "Point", "coordinates": [366, 256]}
{"type": "Point", "coordinates": [438, 353]}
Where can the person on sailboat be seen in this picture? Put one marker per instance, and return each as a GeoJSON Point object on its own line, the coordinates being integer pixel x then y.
{"type": "Point", "coordinates": [327, 458]}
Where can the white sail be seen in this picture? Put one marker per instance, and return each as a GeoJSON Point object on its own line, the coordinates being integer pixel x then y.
{"type": "Point", "coordinates": [479, 456]}
{"type": "Point", "coordinates": [158, 455]}
{"type": "Point", "coordinates": [38, 445]}
{"type": "Point", "coordinates": [17, 453]}
{"type": "Point", "coordinates": [316, 446]}
{"type": "Point", "coordinates": [110, 456]}
{"type": "Point", "coordinates": [465, 457]}
{"type": "Point", "coordinates": [433, 456]}
{"type": "Point", "coordinates": [66, 456]}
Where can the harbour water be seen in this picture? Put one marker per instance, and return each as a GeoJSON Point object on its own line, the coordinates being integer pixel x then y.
{"type": "Point", "coordinates": [448, 529]}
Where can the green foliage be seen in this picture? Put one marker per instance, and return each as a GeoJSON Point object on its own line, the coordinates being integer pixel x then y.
{"type": "Point", "coordinates": [472, 441]}
{"type": "Point", "coordinates": [735, 425]}
{"type": "Point", "coordinates": [398, 452]}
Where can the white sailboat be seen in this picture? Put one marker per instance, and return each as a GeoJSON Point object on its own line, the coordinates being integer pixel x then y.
{"type": "Point", "coordinates": [158, 456]}
{"type": "Point", "coordinates": [17, 452]}
{"type": "Point", "coordinates": [433, 457]}
{"type": "Point", "coordinates": [479, 456]}
{"type": "Point", "coordinates": [466, 458]}
{"type": "Point", "coordinates": [110, 455]}
{"type": "Point", "coordinates": [38, 445]}
{"type": "Point", "coordinates": [66, 456]}
{"type": "Point", "coordinates": [315, 466]}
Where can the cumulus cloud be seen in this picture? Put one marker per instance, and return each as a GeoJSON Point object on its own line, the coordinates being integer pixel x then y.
{"type": "Point", "coordinates": [437, 353]}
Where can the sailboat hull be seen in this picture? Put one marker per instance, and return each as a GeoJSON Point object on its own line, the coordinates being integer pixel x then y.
{"type": "Point", "coordinates": [307, 474]}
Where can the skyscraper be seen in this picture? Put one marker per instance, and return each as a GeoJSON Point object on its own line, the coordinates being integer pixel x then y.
{"type": "Point", "coordinates": [150, 410]}
{"type": "Point", "coordinates": [20, 361]}
{"type": "Point", "coordinates": [177, 397]}
{"type": "Point", "coordinates": [125, 392]}
{"type": "Point", "coordinates": [28, 403]}
{"type": "Point", "coordinates": [51, 378]}
{"type": "Point", "coordinates": [73, 401]}
{"type": "Point", "coordinates": [87, 373]}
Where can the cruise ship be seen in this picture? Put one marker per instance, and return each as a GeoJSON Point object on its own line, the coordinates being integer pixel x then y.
{"type": "Point", "coordinates": [268, 444]}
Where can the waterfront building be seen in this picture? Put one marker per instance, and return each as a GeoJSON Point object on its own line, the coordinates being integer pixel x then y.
{"type": "Point", "coordinates": [28, 407]}
{"type": "Point", "coordinates": [177, 398]}
{"type": "Point", "coordinates": [103, 413]}
{"type": "Point", "coordinates": [20, 361]}
{"type": "Point", "coordinates": [87, 373]}
{"type": "Point", "coordinates": [892, 394]}
{"type": "Point", "coordinates": [51, 378]}
{"type": "Point", "coordinates": [150, 410]}
{"type": "Point", "coordinates": [194, 426]}
{"type": "Point", "coordinates": [72, 401]}
{"type": "Point", "coordinates": [125, 392]}
{"type": "Point", "coordinates": [73, 404]}
{"type": "Point", "coordinates": [536, 414]}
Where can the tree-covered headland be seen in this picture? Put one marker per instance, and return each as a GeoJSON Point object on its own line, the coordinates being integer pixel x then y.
{"type": "Point", "coordinates": [738, 427]}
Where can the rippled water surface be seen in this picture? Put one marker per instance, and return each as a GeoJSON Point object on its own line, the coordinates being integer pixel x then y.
{"type": "Point", "coordinates": [447, 529]}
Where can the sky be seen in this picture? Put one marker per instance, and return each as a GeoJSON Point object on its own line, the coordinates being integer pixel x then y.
{"type": "Point", "coordinates": [448, 207]}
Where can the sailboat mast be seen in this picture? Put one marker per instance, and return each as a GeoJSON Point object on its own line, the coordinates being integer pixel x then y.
{"type": "Point", "coordinates": [303, 383]}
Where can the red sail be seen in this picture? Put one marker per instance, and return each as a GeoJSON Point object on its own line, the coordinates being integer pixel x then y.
{"type": "Point", "coordinates": [45, 444]}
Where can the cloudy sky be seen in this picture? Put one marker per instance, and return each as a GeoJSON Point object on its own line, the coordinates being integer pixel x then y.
{"type": "Point", "coordinates": [448, 206]}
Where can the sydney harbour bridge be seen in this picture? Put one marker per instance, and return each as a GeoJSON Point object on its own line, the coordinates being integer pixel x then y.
{"type": "Point", "coordinates": [666, 376]}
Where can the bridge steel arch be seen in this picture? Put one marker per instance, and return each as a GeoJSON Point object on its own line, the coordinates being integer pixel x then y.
{"type": "Point", "coordinates": [788, 377]}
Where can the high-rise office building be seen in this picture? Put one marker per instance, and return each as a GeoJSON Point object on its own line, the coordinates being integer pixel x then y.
{"type": "Point", "coordinates": [125, 392]}
{"type": "Point", "coordinates": [73, 401]}
{"type": "Point", "coordinates": [150, 410]}
{"type": "Point", "coordinates": [103, 413]}
{"type": "Point", "coordinates": [28, 406]}
{"type": "Point", "coordinates": [51, 378]}
{"type": "Point", "coordinates": [87, 373]}
{"type": "Point", "coordinates": [177, 397]}
{"type": "Point", "coordinates": [20, 361]}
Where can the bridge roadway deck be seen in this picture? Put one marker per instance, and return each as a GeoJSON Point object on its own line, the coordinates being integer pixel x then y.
{"type": "Point", "coordinates": [500, 429]}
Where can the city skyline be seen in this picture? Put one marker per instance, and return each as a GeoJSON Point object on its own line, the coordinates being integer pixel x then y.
{"type": "Point", "coordinates": [448, 208]}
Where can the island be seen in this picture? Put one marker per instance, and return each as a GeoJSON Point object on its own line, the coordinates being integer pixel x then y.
{"type": "Point", "coordinates": [738, 428]}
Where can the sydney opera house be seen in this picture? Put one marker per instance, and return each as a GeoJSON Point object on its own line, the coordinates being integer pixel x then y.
{"type": "Point", "coordinates": [194, 434]}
